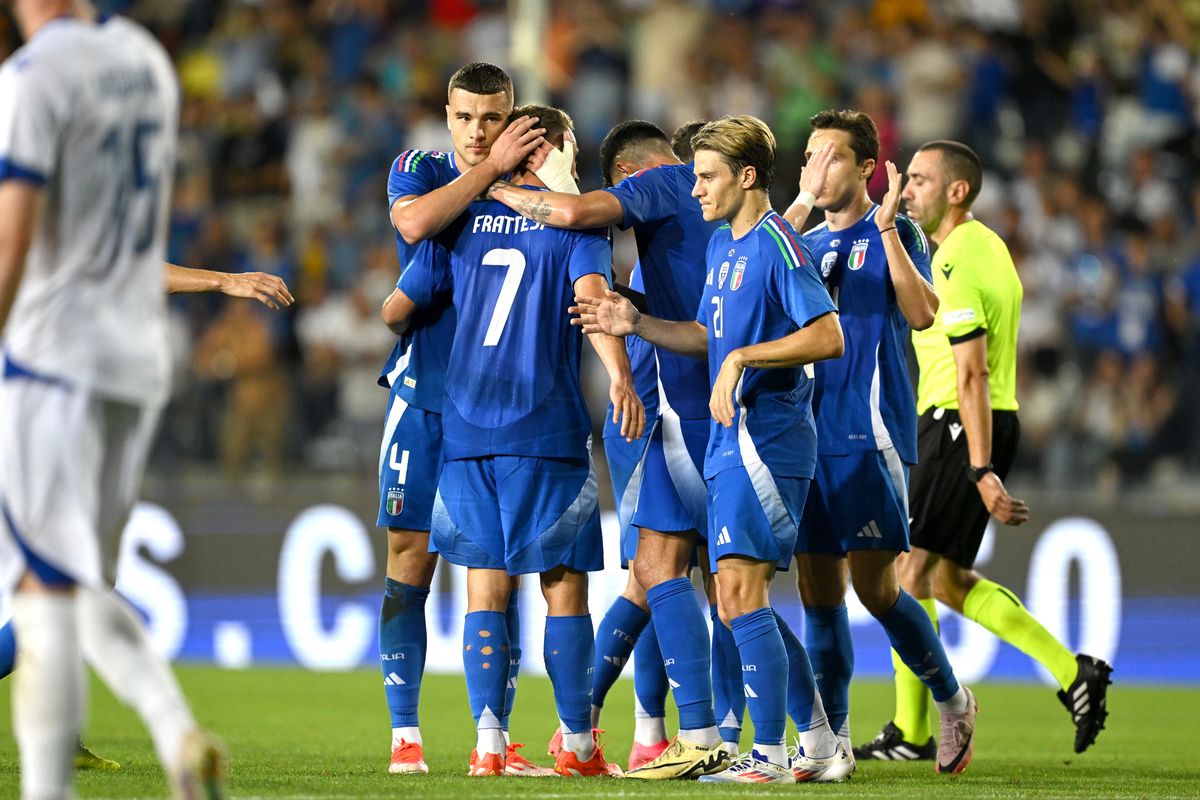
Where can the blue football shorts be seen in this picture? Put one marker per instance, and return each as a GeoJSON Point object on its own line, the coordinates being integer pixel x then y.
{"type": "Point", "coordinates": [518, 513]}
{"type": "Point", "coordinates": [672, 496]}
{"type": "Point", "coordinates": [410, 464]}
{"type": "Point", "coordinates": [755, 514]}
{"type": "Point", "coordinates": [623, 460]}
{"type": "Point", "coordinates": [857, 502]}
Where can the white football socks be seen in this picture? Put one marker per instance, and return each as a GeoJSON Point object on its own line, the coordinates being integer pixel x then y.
{"type": "Point", "coordinates": [115, 645]}
{"type": "Point", "coordinates": [49, 695]}
{"type": "Point", "coordinates": [955, 704]}
{"type": "Point", "coordinates": [489, 741]}
{"type": "Point", "coordinates": [647, 730]}
{"type": "Point", "coordinates": [819, 741]}
{"type": "Point", "coordinates": [412, 735]}
{"type": "Point", "coordinates": [704, 737]}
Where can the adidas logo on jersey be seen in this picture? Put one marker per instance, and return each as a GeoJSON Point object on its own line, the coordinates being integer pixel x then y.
{"type": "Point", "coordinates": [723, 537]}
{"type": "Point", "coordinates": [870, 531]}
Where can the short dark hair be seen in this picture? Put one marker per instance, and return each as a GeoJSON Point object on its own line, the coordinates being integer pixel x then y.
{"type": "Point", "coordinates": [556, 121]}
{"type": "Point", "coordinates": [681, 139]}
{"type": "Point", "coordinates": [864, 136]}
{"type": "Point", "coordinates": [480, 78]}
{"type": "Point", "coordinates": [959, 163]}
{"type": "Point", "coordinates": [630, 140]}
{"type": "Point", "coordinates": [742, 141]}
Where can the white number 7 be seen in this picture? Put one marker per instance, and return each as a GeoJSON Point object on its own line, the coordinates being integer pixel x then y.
{"type": "Point", "coordinates": [515, 261]}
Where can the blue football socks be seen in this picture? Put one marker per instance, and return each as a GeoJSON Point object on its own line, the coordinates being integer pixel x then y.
{"type": "Point", "coordinates": [729, 697]}
{"type": "Point", "coordinates": [402, 644]}
{"type": "Point", "coordinates": [685, 649]}
{"type": "Point", "coordinates": [569, 648]}
{"type": "Point", "coordinates": [619, 630]}
{"type": "Point", "coordinates": [649, 676]}
{"type": "Point", "coordinates": [764, 674]}
{"type": "Point", "coordinates": [485, 662]}
{"type": "Point", "coordinates": [512, 616]}
{"type": "Point", "coordinates": [915, 640]}
{"type": "Point", "coordinates": [831, 651]}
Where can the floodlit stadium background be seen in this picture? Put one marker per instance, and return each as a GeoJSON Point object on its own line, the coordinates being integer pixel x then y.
{"type": "Point", "coordinates": [257, 541]}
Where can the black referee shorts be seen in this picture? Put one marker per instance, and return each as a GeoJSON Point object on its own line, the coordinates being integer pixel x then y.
{"type": "Point", "coordinates": [948, 515]}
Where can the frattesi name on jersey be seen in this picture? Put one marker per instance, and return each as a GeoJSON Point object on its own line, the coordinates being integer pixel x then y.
{"type": "Point", "coordinates": [487, 223]}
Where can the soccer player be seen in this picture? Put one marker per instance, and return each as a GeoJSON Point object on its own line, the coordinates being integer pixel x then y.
{"type": "Point", "coordinates": [763, 316]}
{"type": "Point", "coordinates": [651, 193]}
{"type": "Point", "coordinates": [517, 493]}
{"type": "Point", "coordinates": [876, 267]}
{"type": "Point", "coordinates": [427, 190]}
{"type": "Point", "coordinates": [88, 124]}
{"type": "Point", "coordinates": [966, 439]}
{"type": "Point", "coordinates": [627, 628]}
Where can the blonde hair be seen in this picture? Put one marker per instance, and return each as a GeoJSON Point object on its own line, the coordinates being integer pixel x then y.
{"type": "Point", "coordinates": [742, 141]}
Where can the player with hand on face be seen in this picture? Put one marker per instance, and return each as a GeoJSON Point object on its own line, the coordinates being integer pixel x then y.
{"type": "Point", "coordinates": [875, 264]}
{"type": "Point", "coordinates": [517, 493]}
{"type": "Point", "coordinates": [651, 193]}
{"type": "Point", "coordinates": [763, 316]}
{"type": "Point", "coordinates": [426, 191]}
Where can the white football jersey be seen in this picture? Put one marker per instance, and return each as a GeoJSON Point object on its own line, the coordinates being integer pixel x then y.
{"type": "Point", "coordinates": [90, 111]}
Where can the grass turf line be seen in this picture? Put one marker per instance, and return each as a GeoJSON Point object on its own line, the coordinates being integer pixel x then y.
{"type": "Point", "coordinates": [295, 734]}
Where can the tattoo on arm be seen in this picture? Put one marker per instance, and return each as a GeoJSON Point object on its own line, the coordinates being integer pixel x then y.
{"type": "Point", "coordinates": [496, 186]}
{"type": "Point", "coordinates": [536, 210]}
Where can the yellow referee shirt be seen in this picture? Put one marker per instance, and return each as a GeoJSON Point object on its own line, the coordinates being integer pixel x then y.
{"type": "Point", "coordinates": [979, 293]}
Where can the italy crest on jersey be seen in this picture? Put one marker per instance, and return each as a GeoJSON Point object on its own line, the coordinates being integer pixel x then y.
{"type": "Point", "coordinates": [858, 254]}
{"type": "Point", "coordinates": [395, 501]}
{"type": "Point", "coordinates": [738, 270]}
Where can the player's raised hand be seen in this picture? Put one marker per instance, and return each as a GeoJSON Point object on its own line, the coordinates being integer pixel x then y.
{"type": "Point", "coordinates": [270, 290]}
{"type": "Point", "coordinates": [885, 217]}
{"type": "Point", "coordinates": [627, 409]}
{"type": "Point", "coordinates": [1000, 504]}
{"type": "Point", "coordinates": [611, 314]}
{"type": "Point", "coordinates": [814, 173]}
{"type": "Point", "coordinates": [519, 139]}
{"type": "Point", "coordinates": [720, 404]}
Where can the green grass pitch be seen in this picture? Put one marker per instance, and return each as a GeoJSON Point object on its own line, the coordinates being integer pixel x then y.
{"type": "Point", "coordinates": [295, 734]}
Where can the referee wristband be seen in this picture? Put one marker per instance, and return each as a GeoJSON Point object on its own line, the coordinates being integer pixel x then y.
{"type": "Point", "coordinates": [885, 230]}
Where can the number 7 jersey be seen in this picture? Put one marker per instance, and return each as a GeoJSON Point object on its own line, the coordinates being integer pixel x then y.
{"type": "Point", "coordinates": [89, 112]}
{"type": "Point", "coordinates": [512, 385]}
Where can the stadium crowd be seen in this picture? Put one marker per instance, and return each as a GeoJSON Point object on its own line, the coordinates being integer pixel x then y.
{"type": "Point", "coordinates": [1085, 113]}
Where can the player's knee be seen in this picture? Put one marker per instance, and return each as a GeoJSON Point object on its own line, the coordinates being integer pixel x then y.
{"type": "Point", "coordinates": [409, 559]}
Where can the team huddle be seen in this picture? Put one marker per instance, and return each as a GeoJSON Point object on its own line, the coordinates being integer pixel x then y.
{"type": "Point", "coordinates": [761, 415]}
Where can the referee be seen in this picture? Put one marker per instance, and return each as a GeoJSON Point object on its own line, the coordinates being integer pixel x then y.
{"type": "Point", "coordinates": [967, 437]}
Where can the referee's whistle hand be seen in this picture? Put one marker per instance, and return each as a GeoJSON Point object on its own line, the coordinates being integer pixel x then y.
{"type": "Point", "coordinates": [1000, 504]}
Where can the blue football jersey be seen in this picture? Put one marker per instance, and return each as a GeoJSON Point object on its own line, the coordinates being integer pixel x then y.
{"type": "Point", "coordinates": [671, 239]}
{"type": "Point", "coordinates": [760, 288]}
{"type": "Point", "coordinates": [417, 363]}
{"type": "Point", "coordinates": [645, 371]}
{"type": "Point", "coordinates": [512, 382]}
{"type": "Point", "coordinates": [863, 401]}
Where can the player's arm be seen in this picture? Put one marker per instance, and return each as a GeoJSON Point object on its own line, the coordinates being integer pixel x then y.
{"type": "Point", "coordinates": [418, 217]}
{"type": "Point", "coordinates": [270, 290]}
{"type": "Point", "coordinates": [820, 339]}
{"type": "Point", "coordinates": [917, 300]}
{"type": "Point", "coordinates": [627, 406]}
{"type": "Point", "coordinates": [613, 314]}
{"type": "Point", "coordinates": [397, 312]}
{"type": "Point", "coordinates": [558, 209]}
{"type": "Point", "coordinates": [975, 409]}
{"type": "Point", "coordinates": [20, 208]}
{"type": "Point", "coordinates": [812, 181]}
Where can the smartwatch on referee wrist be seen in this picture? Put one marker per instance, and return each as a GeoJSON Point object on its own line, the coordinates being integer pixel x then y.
{"type": "Point", "coordinates": [977, 473]}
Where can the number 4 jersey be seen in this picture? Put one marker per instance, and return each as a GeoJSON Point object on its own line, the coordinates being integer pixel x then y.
{"type": "Point", "coordinates": [512, 385]}
{"type": "Point", "coordinates": [89, 111]}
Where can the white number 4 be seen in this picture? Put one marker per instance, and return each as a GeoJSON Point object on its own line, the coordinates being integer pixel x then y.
{"type": "Point", "coordinates": [515, 262]}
